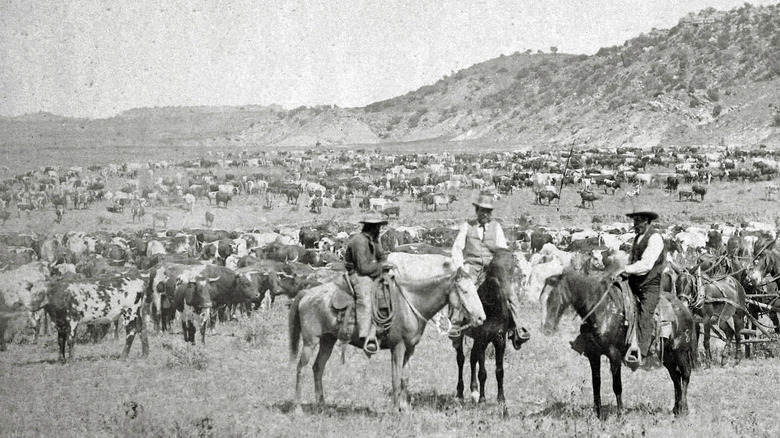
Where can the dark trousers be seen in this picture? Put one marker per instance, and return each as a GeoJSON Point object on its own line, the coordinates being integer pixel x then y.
{"type": "Point", "coordinates": [648, 295]}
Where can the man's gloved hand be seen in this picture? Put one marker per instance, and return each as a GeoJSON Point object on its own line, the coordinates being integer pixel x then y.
{"type": "Point", "coordinates": [617, 276]}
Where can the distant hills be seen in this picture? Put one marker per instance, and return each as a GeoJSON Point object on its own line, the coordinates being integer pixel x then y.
{"type": "Point", "coordinates": [713, 78]}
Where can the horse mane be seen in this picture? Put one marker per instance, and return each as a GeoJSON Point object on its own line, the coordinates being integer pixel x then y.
{"type": "Point", "coordinates": [497, 275]}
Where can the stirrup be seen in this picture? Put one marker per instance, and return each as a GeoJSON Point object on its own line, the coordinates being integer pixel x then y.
{"type": "Point", "coordinates": [370, 346]}
{"type": "Point", "coordinates": [633, 359]}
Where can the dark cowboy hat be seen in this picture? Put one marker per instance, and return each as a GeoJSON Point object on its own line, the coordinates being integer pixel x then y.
{"type": "Point", "coordinates": [649, 215]}
{"type": "Point", "coordinates": [373, 220]}
{"type": "Point", "coordinates": [484, 200]}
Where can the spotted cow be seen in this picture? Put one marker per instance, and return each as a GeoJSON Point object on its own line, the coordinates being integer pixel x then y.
{"type": "Point", "coordinates": [73, 301]}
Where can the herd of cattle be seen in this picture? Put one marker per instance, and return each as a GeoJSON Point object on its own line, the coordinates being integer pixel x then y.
{"type": "Point", "coordinates": [94, 277]}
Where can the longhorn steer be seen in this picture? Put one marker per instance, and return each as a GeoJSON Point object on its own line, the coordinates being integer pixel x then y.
{"type": "Point", "coordinates": [70, 302]}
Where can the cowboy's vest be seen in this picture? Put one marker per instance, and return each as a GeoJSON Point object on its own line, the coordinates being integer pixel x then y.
{"type": "Point", "coordinates": [654, 276]}
{"type": "Point", "coordinates": [480, 251]}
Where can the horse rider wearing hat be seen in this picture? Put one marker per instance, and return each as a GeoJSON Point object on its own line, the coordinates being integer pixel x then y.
{"type": "Point", "coordinates": [365, 261]}
{"type": "Point", "coordinates": [646, 264]}
{"type": "Point", "coordinates": [473, 251]}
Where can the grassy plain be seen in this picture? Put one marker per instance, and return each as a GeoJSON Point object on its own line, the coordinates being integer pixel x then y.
{"type": "Point", "coordinates": [241, 382]}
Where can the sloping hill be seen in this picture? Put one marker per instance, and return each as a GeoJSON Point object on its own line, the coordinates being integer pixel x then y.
{"type": "Point", "coordinates": [713, 78]}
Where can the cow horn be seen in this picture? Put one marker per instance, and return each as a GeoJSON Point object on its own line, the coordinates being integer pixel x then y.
{"type": "Point", "coordinates": [212, 280]}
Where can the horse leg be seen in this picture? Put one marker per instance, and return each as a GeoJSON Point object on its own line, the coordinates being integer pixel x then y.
{"type": "Point", "coordinates": [474, 362]}
{"type": "Point", "coordinates": [460, 358]}
{"type": "Point", "coordinates": [396, 364]}
{"type": "Point", "coordinates": [617, 384]}
{"type": "Point", "coordinates": [306, 352]}
{"type": "Point", "coordinates": [482, 375]}
{"type": "Point", "coordinates": [405, 371]}
{"type": "Point", "coordinates": [739, 324]}
{"type": "Point", "coordinates": [326, 348]}
{"type": "Point", "coordinates": [500, 346]}
{"type": "Point", "coordinates": [707, 326]}
{"type": "Point", "coordinates": [595, 372]}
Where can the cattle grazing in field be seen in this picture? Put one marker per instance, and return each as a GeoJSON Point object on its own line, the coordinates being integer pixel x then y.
{"type": "Point", "coordinates": [315, 205]}
{"type": "Point", "coordinates": [587, 198]}
{"type": "Point", "coordinates": [612, 185]}
{"type": "Point", "coordinates": [549, 195]}
{"type": "Point", "coordinates": [209, 219]}
{"type": "Point", "coordinates": [223, 198]}
{"type": "Point", "coordinates": [163, 218]}
{"type": "Point", "coordinates": [436, 199]}
{"type": "Point", "coordinates": [70, 302]}
{"type": "Point", "coordinates": [59, 211]}
{"type": "Point", "coordinates": [672, 182]}
{"type": "Point", "coordinates": [393, 210]}
{"type": "Point", "coordinates": [138, 211]}
{"type": "Point", "coordinates": [699, 190]}
{"type": "Point", "coordinates": [292, 195]}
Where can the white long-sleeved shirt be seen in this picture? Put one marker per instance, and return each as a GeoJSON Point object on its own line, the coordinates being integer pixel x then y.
{"type": "Point", "coordinates": [655, 245]}
{"type": "Point", "coordinates": [460, 242]}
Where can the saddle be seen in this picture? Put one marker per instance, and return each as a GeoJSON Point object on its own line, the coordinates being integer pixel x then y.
{"type": "Point", "coordinates": [344, 304]}
{"type": "Point", "coordinates": [663, 316]}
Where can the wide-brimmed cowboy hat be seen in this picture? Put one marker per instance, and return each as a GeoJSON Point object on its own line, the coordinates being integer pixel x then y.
{"type": "Point", "coordinates": [650, 215]}
{"type": "Point", "coordinates": [484, 200]}
{"type": "Point", "coordinates": [373, 220]}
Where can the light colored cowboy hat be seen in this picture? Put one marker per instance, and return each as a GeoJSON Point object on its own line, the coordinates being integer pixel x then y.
{"type": "Point", "coordinates": [373, 220]}
{"type": "Point", "coordinates": [650, 215]}
{"type": "Point", "coordinates": [484, 200]}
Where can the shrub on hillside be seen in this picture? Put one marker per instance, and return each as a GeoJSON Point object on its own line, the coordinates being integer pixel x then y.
{"type": "Point", "coordinates": [717, 110]}
{"type": "Point", "coordinates": [187, 356]}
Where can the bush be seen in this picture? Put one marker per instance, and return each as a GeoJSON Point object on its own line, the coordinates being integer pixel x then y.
{"type": "Point", "coordinates": [776, 120]}
{"type": "Point", "coordinates": [187, 356]}
{"type": "Point", "coordinates": [254, 331]}
{"type": "Point", "coordinates": [717, 110]}
{"type": "Point", "coordinates": [713, 95]}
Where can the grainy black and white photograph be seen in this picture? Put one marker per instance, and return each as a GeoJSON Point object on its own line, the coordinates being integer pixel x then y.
{"type": "Point", "coordinates": [391, 218]}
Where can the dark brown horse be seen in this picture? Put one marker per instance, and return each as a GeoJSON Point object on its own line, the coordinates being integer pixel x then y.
{"type": "Point", "coordinates": [603, 332]}
{"type": "Point", "coordinates": [501, 278]}
{"type": "Point", "coordinates": [713, 301]}
{"type": "Point", "coordinates": [763, 277]}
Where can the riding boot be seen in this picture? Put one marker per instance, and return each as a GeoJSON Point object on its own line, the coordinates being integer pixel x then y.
{"type": "Point", "coordinates": [366, 328]}
{"type": "Point", "coordinates": [633, 357]}
{"type": "Point", "coordinates": [520, 334]}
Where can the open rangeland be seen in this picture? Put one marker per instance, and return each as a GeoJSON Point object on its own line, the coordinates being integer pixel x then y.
{"type": "Point", "coordinates": [242, 382]}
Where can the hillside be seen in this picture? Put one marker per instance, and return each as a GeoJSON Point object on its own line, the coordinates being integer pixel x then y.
{"type": "Point", "coordinates": [715, 77]}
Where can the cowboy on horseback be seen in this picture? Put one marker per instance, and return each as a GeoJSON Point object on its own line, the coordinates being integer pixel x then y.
{"type": "Point", "coordinates": [365, 262]}
{"type": "Point", "coordinates": [648, 257]}
{"type": "Point", "coordinates": [473, 250]}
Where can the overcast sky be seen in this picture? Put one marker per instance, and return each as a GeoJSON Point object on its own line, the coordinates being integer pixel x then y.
{"type": "Point", "coordinates": [97, 58]}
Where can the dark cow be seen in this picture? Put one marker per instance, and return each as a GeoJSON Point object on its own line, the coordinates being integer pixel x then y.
{"type": "Point", "coordinates": [612, 185]}
{"type": "Point", "coordinates": [292, 195]}
{"type": "Point", "coordinates": [393, 238]}
{"type": "Point", "coordinates": [699, 190]}
{"type": "Point", "coordinates": [309, 236]}
{"type": "Point", "coordinates": [70, 302]}
{"type": "Point", "coordinates": [672, 182]}
{"type": "Point", "coordinates": [217, 251]}
{"type": "Point", "coordinates": [315, 205]}
{"type": "Point", "coordinates": [715, 243]}
{"type": "Point", "coordinates": [342, 203]}
{"type": "Point", "coordinates": [223, 198]}
{"type": "Point", "coordinates": [685, 194]}
{"type": "Point", "coordinates": [549, 195]}
{"type": "Point", "coordinates": [394, 210]}
{"type": "Point", "coordinates": [207, 236]}
{"type": "Point", "coordinates": [209, 219]}
{"type": "Point", "coordinates": [539, 238]}
{"type": "Point", "coordinates": [257, 280]}
{"type": "Point", "coordinates": [587, 197]}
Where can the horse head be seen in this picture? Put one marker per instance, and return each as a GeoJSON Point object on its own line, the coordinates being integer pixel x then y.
{"type": "Point", "coordinates": [554, 300]}
{"type": "Point", "coordinates": [464, 303]}
{"type": "Point", "coordinates": [502, 279]}
{"type": "Point", "coordinates": [765, 262]}
{"type": "Point", "coordinates": [688, 286]}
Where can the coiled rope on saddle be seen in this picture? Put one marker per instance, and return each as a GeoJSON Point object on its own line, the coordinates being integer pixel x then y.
{"type": "Point", "coordinates": [383, 304]}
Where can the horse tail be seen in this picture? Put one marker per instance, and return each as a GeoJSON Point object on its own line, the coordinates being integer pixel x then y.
{"type": "Point", "coordinates": [294, 325]}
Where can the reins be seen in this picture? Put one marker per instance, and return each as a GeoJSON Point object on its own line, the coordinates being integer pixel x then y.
{"type": "Point", "coordinates": [593, 309]}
